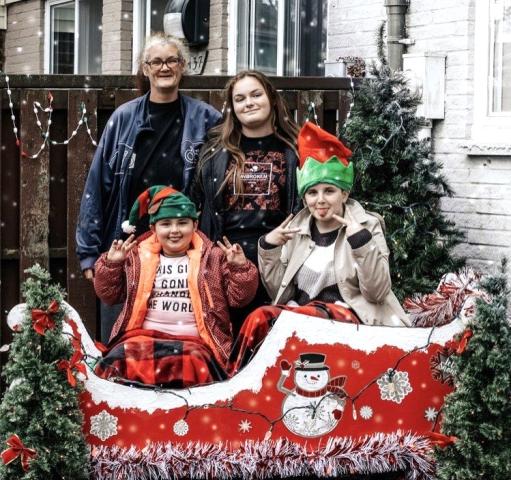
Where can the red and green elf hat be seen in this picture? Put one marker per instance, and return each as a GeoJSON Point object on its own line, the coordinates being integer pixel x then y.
{"type": "Point", "coordinates": [323, 159]}
{"type": "Point", "coordinates": [159, 202]}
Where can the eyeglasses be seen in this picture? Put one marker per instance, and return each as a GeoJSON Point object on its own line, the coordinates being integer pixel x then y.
{"type": "Point", "coordinates": [157, 63]}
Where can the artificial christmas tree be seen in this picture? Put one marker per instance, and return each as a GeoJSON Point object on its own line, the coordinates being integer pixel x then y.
{"type": "Point", "coordinates": [397, 177]}
{"type": "Point", "coordinates": [40, 420]}
{"type": "Point", "coordinates": [478, 412]}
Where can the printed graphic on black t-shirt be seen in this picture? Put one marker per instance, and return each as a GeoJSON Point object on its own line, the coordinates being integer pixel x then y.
{"type": "Point", "coordinates": [256, 179]}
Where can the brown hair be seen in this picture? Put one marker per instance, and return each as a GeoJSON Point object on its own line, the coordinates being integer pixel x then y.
{"type": "Point", "coordinates": [158, 38]}
{"type": "Point", "coordinates": [227, 135]}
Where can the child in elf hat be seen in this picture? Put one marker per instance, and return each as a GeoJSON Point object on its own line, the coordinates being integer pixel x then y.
{"type": "Point", "coordinates": [331, 260]}
{"type": "Point", "coordinates": [177, 287]}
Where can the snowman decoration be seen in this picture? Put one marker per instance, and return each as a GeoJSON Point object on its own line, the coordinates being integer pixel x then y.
{"type": "Point", "coordinates": [316, 404]}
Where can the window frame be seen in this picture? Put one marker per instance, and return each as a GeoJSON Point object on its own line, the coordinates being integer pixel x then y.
{"type": "Point", "coordinates": [48, 51]}
{"type": "Point", "coordinates": [488, 127]}
{"type": "Point", "coordinates": [48, 35]}
{"type": "Point", "coordinates": [232, 57]}
{"type": "Point", "coordinates": [142, 11]}
{"type": "Point", "coordinates": [139, 25]}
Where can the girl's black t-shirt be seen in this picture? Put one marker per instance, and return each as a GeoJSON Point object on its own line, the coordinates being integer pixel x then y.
{"type": "Point", "coordinates": [258, 207]}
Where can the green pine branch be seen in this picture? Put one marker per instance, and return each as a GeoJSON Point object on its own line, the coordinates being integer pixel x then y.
{"type": "Point", "coordinates": [478, 412]}
{"type": "Point", "coordinates": [397, 177]}
{"type": "Point", "coordinates": [39, 405]}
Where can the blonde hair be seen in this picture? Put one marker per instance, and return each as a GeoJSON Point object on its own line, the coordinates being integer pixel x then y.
{"type": "Point", "coordinates": [158, 38]}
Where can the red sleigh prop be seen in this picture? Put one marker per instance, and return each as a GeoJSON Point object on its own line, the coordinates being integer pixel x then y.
{"type": "Point", "coordinates": [319, 398]}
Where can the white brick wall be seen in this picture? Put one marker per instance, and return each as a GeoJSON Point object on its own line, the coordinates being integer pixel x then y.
{"type": "Point", "coordinates": [117, 36]}
{"type": "Point", "coordinates": [481, 205]}
{"type": "Point", "coordinates": [24, 45]}
{"type": "Point", "coordinates": [352, 26]}
{"type": "Point", "coordinates": [218, 38]}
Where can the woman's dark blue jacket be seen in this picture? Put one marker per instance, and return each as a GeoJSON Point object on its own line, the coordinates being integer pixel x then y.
{"type": "Point", "coordinates": [104, 202]}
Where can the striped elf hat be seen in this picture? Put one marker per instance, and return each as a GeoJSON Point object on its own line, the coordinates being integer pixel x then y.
{"type": "Point", "coordinates": [323, 159]}
{"type": "Point", "coordinates": [159, 202]}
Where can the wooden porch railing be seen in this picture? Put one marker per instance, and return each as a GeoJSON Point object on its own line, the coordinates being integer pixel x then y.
{"type": "Point", "coordinates": [40, 197]}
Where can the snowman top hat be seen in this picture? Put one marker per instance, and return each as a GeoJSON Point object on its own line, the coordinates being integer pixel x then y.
{"type": "Point", "coordinates": [311, 361]}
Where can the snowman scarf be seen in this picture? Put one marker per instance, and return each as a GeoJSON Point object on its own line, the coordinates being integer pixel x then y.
{"type": "Point", "coordinates": [334, 386]}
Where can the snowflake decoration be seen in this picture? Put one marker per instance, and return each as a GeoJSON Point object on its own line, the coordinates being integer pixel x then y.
{"type": "Point", "coordinates": [103, 425]}
{"type": "Point", "coordinates": [180, 428]}
{"type": "Point", "coordinates": [430, 414]}
{"type": "Point", "coordinates": [394, 385]}
{"type": "Point", "coordinates": [321, 413]}
{"type": "Point", "coordinates": [442, 367]}
{"type": "Point", "coordinates": [366, 412]}
{"type": "Point", "coordinates": [291, 420]}
{"type": "Point", "coordinates": [355, 364]}
{"type": "Point", "coordinates": [245, 426]}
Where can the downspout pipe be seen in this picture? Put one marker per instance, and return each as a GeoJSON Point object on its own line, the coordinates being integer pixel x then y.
{"type": "Point", "coordinates": [396, 20]}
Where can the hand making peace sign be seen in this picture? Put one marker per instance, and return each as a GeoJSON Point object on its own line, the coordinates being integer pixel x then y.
{"type": "Point", "coordinates": [280, 235]}
{"type": "Point", "coordinates": [119, 249]}
{"type": "Point", "coordinates": [233, 253]}
{"type": "Point", "coordinates": [352, 226]}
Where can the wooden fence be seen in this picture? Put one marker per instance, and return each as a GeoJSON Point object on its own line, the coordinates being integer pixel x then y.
{"type": "Point", "coordinates": [40, 198]}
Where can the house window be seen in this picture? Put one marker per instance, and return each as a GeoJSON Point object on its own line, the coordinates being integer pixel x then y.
{"type": "Point", "coordinates": [501, 56]}
{"type": "Point", "coordinates": [147, 19]}
{"type": "Point", "coordinates": [62, 38]}
{"type": "Point", "coordinates": [73, 36]}
{"type": "Point", "coordinates": [492, 77]}
{"type": "Point", "coordinates": [280, 37]}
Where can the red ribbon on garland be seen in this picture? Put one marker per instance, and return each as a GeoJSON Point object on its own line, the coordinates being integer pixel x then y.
{"type": "Point", "coordinates": [462, 346]}
{"type": "Point", "coordinates": [101, 346]}
{"type": "Point", "coordinates": [17, 449]}
{"type": "Point", "coordinates": [76, 340]}
{"type": "Point", "coordinates": [74, 364]}
{"type": "Point", "coordinates": [42, 320]}
{"type": "Point", "coordinates": [441, 440]}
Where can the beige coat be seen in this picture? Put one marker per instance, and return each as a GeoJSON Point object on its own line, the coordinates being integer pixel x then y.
{"type": "Point", "coordinates": [362, 274]}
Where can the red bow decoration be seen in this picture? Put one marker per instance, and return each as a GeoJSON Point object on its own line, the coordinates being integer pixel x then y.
{"type": "Point", "coordinates": [17, 449]}
{"type": "Point", "coordinates": [462, 346]}
{"type": "Point", "coordinates": [441, 440]}
{"type": "Point", "coordinates": [42, 319]}
{"type": "Point", "coordinates": [73, 364]}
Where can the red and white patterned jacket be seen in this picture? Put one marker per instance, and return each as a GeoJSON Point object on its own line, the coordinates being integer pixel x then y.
{"type": "Point", "coordinates": [214, 287]}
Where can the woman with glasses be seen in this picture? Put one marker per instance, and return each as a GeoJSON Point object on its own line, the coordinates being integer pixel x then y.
{"type": "Point", "coordinates": [245, 183]}
{"type": "Point", "coordinates": [151, 140]}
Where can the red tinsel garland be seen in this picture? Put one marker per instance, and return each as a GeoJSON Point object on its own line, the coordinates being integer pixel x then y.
{"type": "Point", "coordinates": [376, 453]}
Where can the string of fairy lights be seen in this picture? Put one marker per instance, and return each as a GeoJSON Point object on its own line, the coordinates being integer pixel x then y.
{"type": "Point", "coordinates": [311, 114]}
{"type": "Point", "coordinates": [230, 404]}
{"type": "Point", "coordinates": [42, 320]}
{"type": "Point", "coordinates": [45, 131]}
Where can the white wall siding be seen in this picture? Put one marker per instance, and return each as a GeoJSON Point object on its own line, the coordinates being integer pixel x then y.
{"type": "Point", "coordinates": [481, 207]}
{"type": "Point", "coordinates": [24, 45]}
